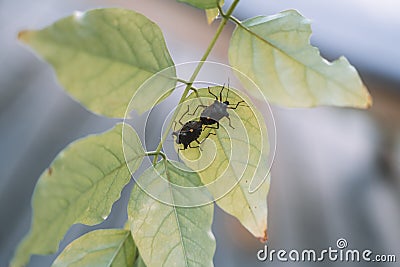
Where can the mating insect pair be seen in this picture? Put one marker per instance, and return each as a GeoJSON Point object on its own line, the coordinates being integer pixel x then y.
{"type": "Point", "coordinates": [211, 115]}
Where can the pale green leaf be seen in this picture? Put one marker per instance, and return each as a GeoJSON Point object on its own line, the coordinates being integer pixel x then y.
{"type": "Point", "coordinates": [167, 235]}
{"type": "Point", "coordinates": [100, 248]}
{"type": "Point", "coordinates": [275, 52]}
{"type": "Point", "coordinates": [103, 56]}
{"type": "Point", "coordinates": [202, 4]}
{"type": "Point", "coordinates": [80, 186]}
{"type": "Point", "coordinates": [234, 162]}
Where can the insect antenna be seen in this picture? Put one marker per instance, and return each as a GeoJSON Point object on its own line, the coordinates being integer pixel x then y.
{"type": "Point", "coordinates": [209, 91]}
{"type": "Point", "coordinates": [220, 93]}
{"type": "Point", "coordinates": [227, 93]}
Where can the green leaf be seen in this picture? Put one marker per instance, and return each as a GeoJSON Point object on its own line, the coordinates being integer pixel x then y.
{"type": "Point", "coordinates": [103, 56]}
{"type": "Point", "coordinates": [167, 235]}
{"type": "Point", "coordinates": [202, 4]}
{"type": "Point", "coordinates": [275, 52]}
{"type": "Point", "coordinates": [111, 247]}
{"type": "Point", "coordinates": [234, 162]}
{"type": "Point", "coordinates": [80, 186]}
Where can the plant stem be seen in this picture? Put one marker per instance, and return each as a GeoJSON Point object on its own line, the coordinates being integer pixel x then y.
{"type": "Point", "coordinates": [221, 26]}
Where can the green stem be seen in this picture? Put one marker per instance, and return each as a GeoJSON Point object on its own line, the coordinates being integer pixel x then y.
{"type": "Point", "coordinates": [221, 26]}
{"type": "Point", "coordinates": [191, 85]}
{"type": "Point", "coordinates": [235, 20]}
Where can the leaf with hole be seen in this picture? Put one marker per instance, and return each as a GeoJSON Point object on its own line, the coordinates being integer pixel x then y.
{"type": "Point", "coordinates": [275, 53]}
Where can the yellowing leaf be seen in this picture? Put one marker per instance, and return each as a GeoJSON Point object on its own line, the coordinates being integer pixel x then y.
{"type": "Point", "coordinates": [80, 186]}
{"type": "Point", "coordinates": [211, 14]}
{"type": "Point", "coordinates": [276, 54]}
{"type": "Point", "coordinates": [103, 56]}
{"type": "Point", "coordinates": [233, 163]}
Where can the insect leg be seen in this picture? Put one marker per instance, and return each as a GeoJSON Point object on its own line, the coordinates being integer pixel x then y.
{"type": "Point", "coordinates": [210, 127]}
{"type": "Point", "coordinates": [210, 133]}
{"type": "Point", "coordinates": [237, 105]}
{"type": "Point", "coordinates": [230, 122]}
{"type": "Point", "coordinates": [197, 141]}
{"type": "Point", "coordinates": [186, 112]}
{"type": "Point", "coordinates": [184, 147]}
{"type": "Point", "coordinates": [209, 91]}
{"type": "Point", "coordinates": [199, 106]}
{"type": "Point", "coordinates": [195, 146]}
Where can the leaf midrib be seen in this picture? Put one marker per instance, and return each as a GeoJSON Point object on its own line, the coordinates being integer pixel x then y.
{"type": "Point", "coordinates": [108, 58]}
{"type": "Point", "coordinates": [119, 248]}
{"type": "Point", "coordinates": [76, 220]}
{"type": "Point", "coordinates": [238, 183]}
{"type": "Point", "coordinates": [176, 216]}
{"type": "Point", "coordinates": [293, 58]}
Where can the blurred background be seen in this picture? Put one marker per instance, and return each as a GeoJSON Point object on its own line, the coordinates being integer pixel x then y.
{"type": "Point", "coordinates": [336, 172]}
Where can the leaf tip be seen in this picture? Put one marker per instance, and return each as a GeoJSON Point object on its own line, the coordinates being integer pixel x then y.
{"type": "Point", "coordinates": [24, 36]}
{"type": "Point", "coordinates": [19, 259]}
{"type": "Point", "coordinates": [264, 238]}
{"type": "Point", "coordinates": [211, 15]}
{"type": "Point", "coordinates": [369, 101]}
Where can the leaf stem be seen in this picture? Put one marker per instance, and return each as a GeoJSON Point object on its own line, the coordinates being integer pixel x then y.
{"type": "Point", "coordinates": [221, 26]}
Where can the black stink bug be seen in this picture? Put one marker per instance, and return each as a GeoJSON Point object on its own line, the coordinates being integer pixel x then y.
{"type": "Point", "coordinates": [189, 132]}
{"type": "Point", "coordinates": [213, 113]}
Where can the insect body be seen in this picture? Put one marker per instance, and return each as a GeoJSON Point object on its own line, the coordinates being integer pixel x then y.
{"type": "Point", "coordinates": [213, 113]}
{"type": "Point", "coordinates": [189, 132]}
